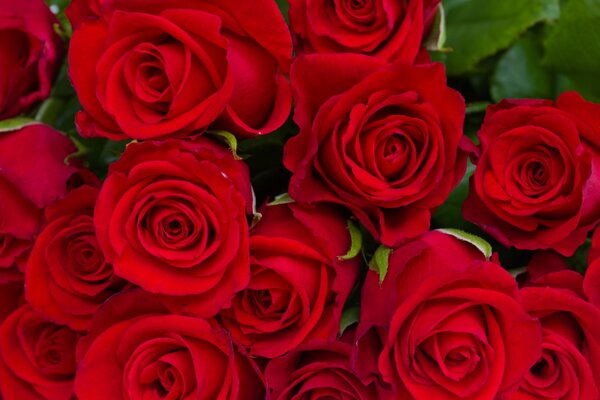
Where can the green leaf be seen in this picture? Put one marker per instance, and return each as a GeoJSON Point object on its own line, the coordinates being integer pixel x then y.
{"type": "Point", "coordinates": [356, 241]}
{"type": "Point", "coordinates": [230, 139]}
{"type": "Point", "coordinates": [477, 29]}
{"type": "Point", "coordinates": [573, 46]}
{"type": "Point", "coordinates": [517, 271]}
{"type": "Point", "coordinates": [380, 262]}
{"type": "Point", "coordinates": [476, 241]}
{"type": "Point", "coordinates": [284, 7]}
{"type": "Point", "coordinates": [578, 261]}
{"type": "Point", "coordinates": [350, 316]}
{"type": "Point", "coordinates": [282, 199]}
{"type": "Point", "coordinates": [477, 107]}
{"type": "Point", "coordinates": [450, 213]}
{"type": "Point", "coordinates": [14, 124]}
{"type": "Point", "coordinates": [519, 73]}
{"type": "Point", "coordinates": [437, 37]}
{"type": "Point", "coordinates": [50, 110]}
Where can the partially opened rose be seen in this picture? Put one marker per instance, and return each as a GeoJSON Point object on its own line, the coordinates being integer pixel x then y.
{"type": "Point", "coordinates": [136, 351]}
{"type": "Point", "coordinates": [30, 55]}
{"type": "Point", "coordinates": [392, 30]}
{"type": "Point", "coordinates": [67, 277]}
{"type": "Point", "coordinates": [536, 183]}
{"type": "Point", "coordinates": [171, 218]}
{"type": "Point", "coordinates": [148, 69]}
{"type": "Point", "coordinates": [445, 324]}
{"type": "Point", "coordinates": [33, 174]}
{"type": "Point", "coordinates": [298, 284]}
{"type": "Point", "coordinates": [380, 139]}
{"type": "Point", "coordinates": [320, 370]}
{"type": "Point", "coordinates": [569, 367]}
{"type": "Point", "coordinates": [37, 357]}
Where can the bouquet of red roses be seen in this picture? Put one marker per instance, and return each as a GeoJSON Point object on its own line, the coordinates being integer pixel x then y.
{"type": "Point", "coordinates": [299, 199]}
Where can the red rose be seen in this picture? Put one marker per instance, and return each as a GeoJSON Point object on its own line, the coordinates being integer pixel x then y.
{"type": "Point", "coordinates": [320, 370]}
{"type": "Point", "coordinates": [37, 358]}
{"type": "Point", "coordinates": [67, 278]}
{"type": "Point", "coordinates": [445, 324]}
{"type": "Point", "coordinates": [392, 30]}
{"type": "Point", "coordinates": [298, 285]}
{"type": "Point", "coordinates": [171, 218]}
{"type": "Point", "coordinates": [30, 55]}
{"type": "Point", "coordinates": [33, 174]}
{"type": "Point", "coordinates": [380, 139]}
{"type": "Point", "coordinates": [136, 352]}
{"type": "Point", "coordinates": [569, 367]}
{"type": "Point", "coordinates": [536, 183]}
{"type": "Point", "coordinates": [148, 69]}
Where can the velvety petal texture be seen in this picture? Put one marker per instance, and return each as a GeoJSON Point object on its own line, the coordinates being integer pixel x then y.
{"type": "Point", "coordinates": [569, 367]}
{"type": "Point", "coordinates": [67, 277]}
{"type": "Point", "coordinates": [320, 370]}
{"type": "Point", "coordinates": [37, 357]}
{"type": "Point", "coordinates": [171, 218]}
{"type": "Point", "coordinates": [33, 174]}
{"type": "Point", "coordinates": [445, 327]}
{"type": "Point", "coordinates": [388, 29]}
{"type": "Point", "coordinates": [152, 69]}
{"type": "Point", "coordinates": [380, 139]}
{"type": "Point", "coordinates": [536, 183]}
{"type": "Point", "coordinates": [298, 285]}
{"type": "Point", "coordinates": [31, 53]}
{"type": "Point", "coordinates": [140, 352]}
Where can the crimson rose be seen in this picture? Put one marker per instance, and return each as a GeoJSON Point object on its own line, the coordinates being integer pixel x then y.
{"type": "Point", "coordinates": [392, 30]}
{"type": "Point", "coordinates": [377, 138]}
{"type": "Point", "coordinates": [67, 277]}
{"type": "Point", "coordinates": [137, 351]}
{"type": "Point", "coordinates": [320, 370]}
{"type": "Point", "coordinates": [298, 285]}
{"type": "Point", "coordinates": [33, 174]}
{"type": "Point", "coordinates": [37, 358]}
{"type": "Point", "coordinates": [569, 367]}
{"type": "Point", "coordinates": [146, 69]}
{"type": "Point", "coordinates": [536, 183]}
{"type": "Point", "coordinates": [445, 324]}
{"type": "Point", "coordinates": [171, 218]}
{"type": "Point", "coordinates": [30, 55]}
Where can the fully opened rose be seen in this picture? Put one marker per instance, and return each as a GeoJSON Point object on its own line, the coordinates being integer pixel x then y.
{"type": "Point", "coordinates": [445, 327]}
{"type": "Point", "coordinates": [299, 200]}
{"type": "Point", "coordinates": [536, 174]}
{"type": "Point", "coordinates": [391, 30]}
{"type": "Point", "coordinates": [164, 68]}
{"type": "Point", "coordinates": [380, 139]}
{"type": "Point", "coordinates": [186, 235]}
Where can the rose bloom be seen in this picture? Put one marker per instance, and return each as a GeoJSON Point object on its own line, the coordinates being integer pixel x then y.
{"type": "Point", "coordinates": [137, 351]}
{"type": "Point", "coordinates": [391, 30]}
{"type": "Point", "coordinates": [67, 277]}
{"type": "Point", "coordinates": [298, 285]}
{"type": "Point", "coordinates": [30, 55]}
{"type": "Point", "coordinates": [569, 367]}
{"type": "Point", "coordinates": [536, 183]}
{"type": "Point", "coordinates": [148, 69]}
{"type": "Point", "coordinates": [379, 139]}
{"type": "Point", "coordinates": [171, 218]}
{"type": "Point", "coordinates": [33, 174]}
{"type": "Point", "coordinates": [37, 357]}
{"type": "Point", "coordinates": [445, 324]}
{"type": "Point", "coordinates": [320, 370]}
